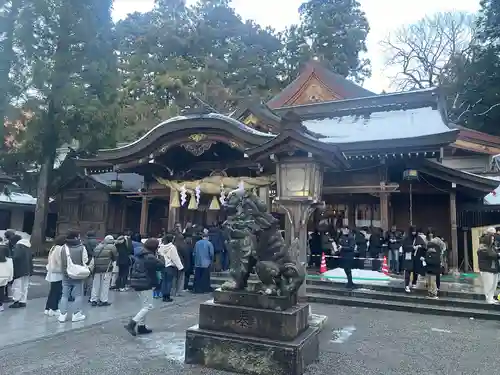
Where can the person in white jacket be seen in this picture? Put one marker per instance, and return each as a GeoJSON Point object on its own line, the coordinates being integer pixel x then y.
{"type": "Point", "coordinates": [54, 277]}
{"type": "Point", "coordinates": [173, 263]}
{"type": "Point", "coordinates": [6, 271]}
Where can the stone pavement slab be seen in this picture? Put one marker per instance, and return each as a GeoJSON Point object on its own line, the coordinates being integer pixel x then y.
{"type": "Point", "coordinates": [22, 325]}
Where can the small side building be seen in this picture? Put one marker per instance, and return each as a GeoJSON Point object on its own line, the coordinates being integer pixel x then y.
{"type": "Point", "coordinates": [99, 203]}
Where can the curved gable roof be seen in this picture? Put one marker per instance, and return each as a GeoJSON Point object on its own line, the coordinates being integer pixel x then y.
{"type": "Point", "coordinates": [196, 122]}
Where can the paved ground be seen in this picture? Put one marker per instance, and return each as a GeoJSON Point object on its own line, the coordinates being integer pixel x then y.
{"type": "Point", "coordinates": [355, 342]}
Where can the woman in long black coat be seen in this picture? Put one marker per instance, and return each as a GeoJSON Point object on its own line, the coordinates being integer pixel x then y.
{"type": "Point", "coordinates": [409, 252]}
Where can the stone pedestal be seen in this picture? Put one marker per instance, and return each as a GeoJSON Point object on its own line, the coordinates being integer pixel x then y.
{"type": "Point", "coordinates": [253, 334]}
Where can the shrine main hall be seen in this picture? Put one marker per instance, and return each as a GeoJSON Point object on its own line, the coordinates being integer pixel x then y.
{"type": "Point", "coordinates": [369, 160]}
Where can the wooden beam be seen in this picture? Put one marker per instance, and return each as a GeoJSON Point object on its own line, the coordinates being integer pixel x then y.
{"type": "Point", "coordinates": [366, 189]}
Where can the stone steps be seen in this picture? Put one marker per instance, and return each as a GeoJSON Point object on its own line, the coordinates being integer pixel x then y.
{"type": "Point", "coordinates": [389, 297]}
{"type": "Point", "coordinates": [39, 266]}
{"type": "Point", "coordinates": [413, 307]}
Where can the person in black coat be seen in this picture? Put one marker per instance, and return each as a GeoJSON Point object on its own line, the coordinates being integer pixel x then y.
{"type": "Point", "coordinates": [393, 239]}
{"type": "Point", "coordinates": [22, 259]}
{"type": "Point", "coordinates": [420, 249]}
{"type": "Point", "coordinates": [123, 262]}
{"type": "Point", "coordinates": [361, 247]}
{"type": "Point", "coordinates": [375, 247]}
{"type": "Point", "coordinates": [409, 250]}
{"type": "Point", "coordinates": [315, 249]}
{"type": "Point", "coordinates": [347, 245]}
{"type": "Point", "coordinates": [143, 279]}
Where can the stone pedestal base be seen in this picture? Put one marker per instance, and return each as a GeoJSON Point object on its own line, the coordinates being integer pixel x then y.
{"type": "Point", "coordinates": [251, 355]}
{"type": "Point", "coordinates": [258, 336]}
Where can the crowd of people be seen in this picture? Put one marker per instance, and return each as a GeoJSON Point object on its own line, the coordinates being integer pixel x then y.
{"type": "Point", "coordinates": [412, 253]}
{"type": "Point", "coordinates": [86, 266]}
{"type": "Point", "coordinates": [162, 267]}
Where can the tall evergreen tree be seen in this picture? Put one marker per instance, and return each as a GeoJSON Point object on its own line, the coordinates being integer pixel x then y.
{"type": "Point", "coordinates": [475, 80]}
{"type": "Point", "coordinates": [336, 32]}
{"type": "Point", "coordinates": [73, 86]}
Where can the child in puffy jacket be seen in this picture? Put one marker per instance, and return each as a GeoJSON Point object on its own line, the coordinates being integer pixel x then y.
{"type": "Point", "coordinates": [143, 279]}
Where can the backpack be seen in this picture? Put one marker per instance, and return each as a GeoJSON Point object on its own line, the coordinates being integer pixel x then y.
{"type": "Point", "coordinates": [75, 271]}
{"type": "Point", "coordinates": [139, 276]}
{"type": "Point", "coordinates": [344, 242]}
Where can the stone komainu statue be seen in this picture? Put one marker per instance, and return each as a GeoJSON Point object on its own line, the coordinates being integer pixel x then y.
{"type": "Point", "coordinates": [255, 243]}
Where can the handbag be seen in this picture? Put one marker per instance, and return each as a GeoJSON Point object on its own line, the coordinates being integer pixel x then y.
{"type": "Point", "coordinates": [75, 271]}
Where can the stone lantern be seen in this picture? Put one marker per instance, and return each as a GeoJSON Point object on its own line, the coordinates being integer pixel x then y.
{"type": "Point", "coordinates": [298, 180]}
{"type": "Point", "coordinates": [298, 192]}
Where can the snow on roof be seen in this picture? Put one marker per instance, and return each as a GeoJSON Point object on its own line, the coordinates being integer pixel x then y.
{"type": "Point", "coordinates": [377, 126]}
{"type": "Point", "coordinates": [217, 116]}
{"type": "Point", "coordinates": [18, 198]}
{"type": "Point", "coordinates": [493, 198]}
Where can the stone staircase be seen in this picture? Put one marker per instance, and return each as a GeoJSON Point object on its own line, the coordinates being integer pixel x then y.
{"type": "Point", "coordinates": [451, 303]}
{"type": "Point", "coordinates": [39, 266]}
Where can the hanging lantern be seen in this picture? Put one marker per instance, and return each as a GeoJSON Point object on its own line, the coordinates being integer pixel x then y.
{"type": "Point", "coordinates": [222, 198]}
{"type": "Point", "coordinates": [174, 199]}
{"type": "Point", "coordinates": [192, 203]}
{"type": "Point", "coordinates": [214, 205]}
{"type": "Point", "coordinates": [197, 192]}
{"type": "Point", "coordinates": [183, 195]}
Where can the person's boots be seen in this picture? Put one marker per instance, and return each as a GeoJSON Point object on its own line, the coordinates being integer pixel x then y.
{"type": "Point", "coordinates": [130, 327]}
{"type": "Point", "coordinates": [143, 330]}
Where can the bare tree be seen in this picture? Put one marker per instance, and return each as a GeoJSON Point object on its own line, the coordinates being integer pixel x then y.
{"type": "Point", "coordinates": [419, 54]}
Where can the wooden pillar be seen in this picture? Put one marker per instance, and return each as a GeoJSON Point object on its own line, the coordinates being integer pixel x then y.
{"type": "Point", "coordinates": [384, 208]}
{"type": "Point", "coordinates": [454, 233]}
{"type": "Point", "coordinates": [123, 223]}
{"type": "Point", "coordinates": [144, 216]}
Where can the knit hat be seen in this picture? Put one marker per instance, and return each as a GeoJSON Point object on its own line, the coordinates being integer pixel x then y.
{"type": "Point", "coordinates": [491, 230]}
{"type": "Point", "coordinates": [109, 238]}
{"type": "Point", "coordinates": [151, 244]}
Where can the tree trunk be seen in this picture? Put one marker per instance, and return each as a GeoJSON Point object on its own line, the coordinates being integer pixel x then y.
{"type": "Point", "coordinates": [42, 204]}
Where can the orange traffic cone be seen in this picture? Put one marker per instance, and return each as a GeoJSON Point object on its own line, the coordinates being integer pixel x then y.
{"type": "Point", "coordinates": [385, 267]}
{"type": "Point", "coordinates": [322, 267]}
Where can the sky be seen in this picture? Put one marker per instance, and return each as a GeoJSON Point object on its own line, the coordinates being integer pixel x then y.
{"type": "Point", "coordinates": [384, 16]}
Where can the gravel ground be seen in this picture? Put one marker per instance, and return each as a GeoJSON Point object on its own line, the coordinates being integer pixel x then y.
{"type": "Point", "coordinates": [355, 341]}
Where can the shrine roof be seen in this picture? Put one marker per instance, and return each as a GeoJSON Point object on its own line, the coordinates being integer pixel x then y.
{"type": "Point", "coordinates": [186, 118]}
{"type": "Point", "coordinates": [409, 115]}
{"type": "Point", "coordinates": [463, 178]}
{"type": "Point", "coordinates": [336, 83]}
{"type": "Point", "coordinates": [202, 122]}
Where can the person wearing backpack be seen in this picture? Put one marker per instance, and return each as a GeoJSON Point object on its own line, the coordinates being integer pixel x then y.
{"type": "Point", "coordinates": [74, 260]}
{"type": "Point", "coordinates": [143, 279]}
{"type": "Point", "coordinates": [104, 255]}
{"type": "Point", "coordinates": [432, 263]}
